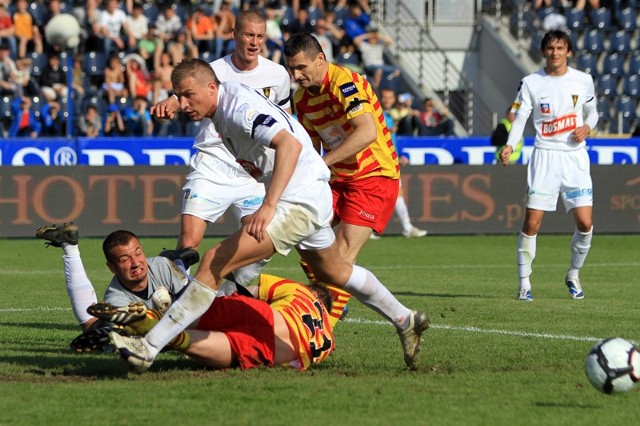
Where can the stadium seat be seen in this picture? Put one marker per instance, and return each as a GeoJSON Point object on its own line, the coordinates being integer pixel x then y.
{"type": "Point", "coordinates": [627, 107]}
{"type": "Point", "coordinates": [5, 112]}
{"type": "Point", "coordinates": [37, 103]}
{"type": "Point", "coordinates": [38, 12]}
{"type": "Point", "coordinates": [94, 64]}
{"type": "Point", "coordinates": [192, 128]}
{"type": "Point", "coordinates": [587, 62]}
{"type": "Point", "coordinates": [613, 64]}
{"type": "Point", "coordinates": [207, 56]}
{"type": "Point", "coordinates": [600, 18]}
{"type": "Point", "coordinates": [621, 125]}
{"type": "Point", "coordinates": [38, 63]}
{"type": "Point", "coordinates": [593, 41]}
{"type": "Point", "coordinates": [634, 64]}
{"type": "Point", "coordinates": [606, 85]}
{"type": "Point", "coordinates": [604, 109]}
{"type": "Point", "coordinates": [621, 42]}
{"type": "Point", "coordinates": [626, 19]}
{"type": "Point", "coordinates": [150, 10]}
{"type": "Point", "coordinates": [631, 86]}
{"type": "Point", "coordinates": [575, 19]}
{"type": "Point", "coordinates": [534, 47]}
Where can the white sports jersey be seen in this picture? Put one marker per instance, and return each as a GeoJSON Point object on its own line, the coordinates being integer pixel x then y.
{"type": "Point", "coordinates": [248, 122]}
{"type": "Point", "coordinates": [161, 274]}
{"type": "Point", "coordinates": [560, 104]}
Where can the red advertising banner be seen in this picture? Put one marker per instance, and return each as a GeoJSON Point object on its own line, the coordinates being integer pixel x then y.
{"type": "Point", "coordinates": [455, 199]}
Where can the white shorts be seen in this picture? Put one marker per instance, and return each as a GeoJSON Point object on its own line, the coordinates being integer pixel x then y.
{"type": "Point", "coordinates": [213, 187]}
{"type": "Point", "coordinates": [304, 223]}
{"type": "Point", "coordinates": [552, 172]}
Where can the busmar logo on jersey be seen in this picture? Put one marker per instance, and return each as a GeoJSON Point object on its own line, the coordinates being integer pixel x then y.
{"type": "Point", "coordinates": [559, 125]}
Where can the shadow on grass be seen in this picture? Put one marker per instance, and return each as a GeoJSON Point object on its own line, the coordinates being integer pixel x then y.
{"type": "Point", "coordinates": [443, 295]}
{"type": "Point", "coordinates": [553, 404]}
{"type": "Point", "coordinates": [42, 326]}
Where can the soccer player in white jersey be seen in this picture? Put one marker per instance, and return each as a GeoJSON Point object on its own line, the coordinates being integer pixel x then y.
{"type": "Point", "coordinates": [564, 108]}
{"type": "Point", "coordinates": [296, 212]}
{"type": "Point", "coordinates": [216, 182]}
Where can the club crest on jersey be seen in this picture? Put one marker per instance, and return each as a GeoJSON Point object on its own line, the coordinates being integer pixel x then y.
{"type": "Point", "coordinates": [574, 98]}
{"type": "Point", "coordinates": [545, 108]}
{"type": "Point", "coordinates": [515, 106]}
{"type": "Point", "coordinates": [348, 89]}
{"type": "Point", "coordinates": [266, 91]}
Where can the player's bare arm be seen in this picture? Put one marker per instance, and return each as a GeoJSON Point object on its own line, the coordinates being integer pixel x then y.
{"type": "Point", "coordinates": [288, 150]}
{"type": "Point", "coordinates": [363, 134]}
{"type": "Point", "coordinates": [166, 110]}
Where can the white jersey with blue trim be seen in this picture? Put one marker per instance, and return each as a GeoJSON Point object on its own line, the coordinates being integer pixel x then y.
{"type": "Point", "coordinates": [247, 122]}
{"type": "Point", "coordinates": [560, 104]}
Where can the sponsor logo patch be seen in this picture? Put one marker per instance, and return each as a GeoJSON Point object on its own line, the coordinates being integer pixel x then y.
{"type": "Point", "coordinates": [584, 192]}
{"type": "Point", "coordinates": [348, 89]}
{"type": "Point", "coordinates": [559, 125]}
{"type": "Point", "coordinates": [545, 108]}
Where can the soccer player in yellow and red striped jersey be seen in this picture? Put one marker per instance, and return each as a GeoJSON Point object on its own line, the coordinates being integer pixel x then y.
{"type": "Point", "coordinates": [345, 120]}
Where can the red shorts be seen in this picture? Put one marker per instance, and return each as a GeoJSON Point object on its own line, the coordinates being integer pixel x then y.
{"type": "Point", "coordinates": [366, 202]}
{"type": "Point", "coordinates": [248, 324]}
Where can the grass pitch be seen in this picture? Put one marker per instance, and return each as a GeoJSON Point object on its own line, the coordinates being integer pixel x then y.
{"type": "Point", "coordinates": [487, 360]}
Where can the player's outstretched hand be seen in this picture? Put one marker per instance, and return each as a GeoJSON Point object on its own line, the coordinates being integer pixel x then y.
{"type": "Point", "coordinates": [165, 110]}
{"type": "Point", "coordinates": [505, 153]}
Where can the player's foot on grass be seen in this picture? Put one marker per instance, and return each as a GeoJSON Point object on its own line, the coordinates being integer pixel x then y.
{"type": "Point", "coordinates": [133, 350]}
{"type": "Point", "coordinates": [415, 233]}
{"type": "Point", "coordinates": [123, 315]}
{"type": "Point", "coordinates": [56, 235]}
{"type": "Point", "coordinates": [410, 336]}
{"type": "Point", "coordinates": [524, 295]}
{"type": "Point", "coordinates": [575, 289]}
{"type": "Point", "coordinates": [94, 340]}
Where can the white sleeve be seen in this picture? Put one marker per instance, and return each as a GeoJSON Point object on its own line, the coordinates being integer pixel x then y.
{"type": "Point", "coordinates": [590, 108]}
{"type": "Point", "coordinates": [522, 107]}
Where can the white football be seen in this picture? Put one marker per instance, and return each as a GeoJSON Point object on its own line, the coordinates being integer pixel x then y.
{"type": "Point", "coordinates": [613, 365]}
{"type": "Point", "coordinates": [63, 30]}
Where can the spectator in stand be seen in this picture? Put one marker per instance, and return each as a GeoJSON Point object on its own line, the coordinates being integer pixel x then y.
{"type": "Point", "coordinates": [301, 24]}
{"type": "Point", "coordinates": [137, 26]}
{"type": "Point", "coordinates": [162, 78]}
{"type": "Point", "coordinates": [89, 18]}
{"type": "Point", "coordinates": [113, 123]}
{"type": "Point", "coordinates": [53, 122]}
{"type": "Point", "coordinates": [371, 46]}
{"type": "Point", "coordinates": [137, 118]}
{"type": "Point", "coordinates": [329, 36]}
{"type": "Point", "coordinates": [7, 31]}
{"type": "Point", "coordinates": [226, 24]}
{"type": "Point", "coordinates": [358, 20]}
{"type": "Point", "coordinates": [169, 24]}
{"type": "Point", "coordinates": [26, 32]}
{"type": "Point", "coordinates": [22, 77]}
{"type": "Point", "coordinates": [114, 79]}
{"type": "Point", "coordinates": [388, 101]}
{"type": "Point", "coordinates": [25, 123]}
{"type": "Point", "coordinates": [53, 80]}
{"type": "Point", "coordinates": [182, 47]}
{"type": "Point", "coordinates": [407, 118]}
{"type": "Point", "coordinates": [9, 84]}
{"type": "Point", "coordinates": [137, 76]}
{"type": "Point", "coordinates": [275, 38]}
{"type": "Point", "coordinates": [434, 122]}
{"type": "Point", "coordinates": [203, 30]}
{"type": "Point", "coordinates": [150, 46]}
{"type": "Point", "coordinates": [77, 82]}
{"type": "Point", "coordinates": [113, 26]}
{"type": "Point", "coordinates": [90, 124]}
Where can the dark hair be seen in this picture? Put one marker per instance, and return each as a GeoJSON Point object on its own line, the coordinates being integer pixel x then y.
{"type": "Point", "coordinates": [302, 42]}
{"type": "Point", "coordinates": [553, 36]}
{"type": "Point", "coordinates": [193, 67]}
{"type": "Point", "coordinates": [324, 295]}
{"type": "Point", "coordinates": [116, 239]}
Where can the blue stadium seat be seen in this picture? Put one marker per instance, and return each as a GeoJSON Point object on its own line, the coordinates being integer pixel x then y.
{"type": "Point", "coordinates": [587, 62]}
{"type": "Point", "coordinates": [604, 109]}
{"type": "Point", "coordinates": [38, 11]}
{"type": "Point", "coordinates": [5, 113]}
{"type": "Point", "coordinates": [38, 63]}
{"type": "Point", "coordinates": [626, 19]}
{"type": "Point", "coordinates": [37, 102]}
{"type": "Point", "coordinates": [631, 86]}
{"type": "Point", "coordinates": [621, 42]}
{"type": "Point", "coordinates": [150, 10]}
{"type": "Point", "coordinates": [623, 125]}
{"type": "Point", "coordinates": [94, 63]}
{"type": "Point", "coordinates": [613, 64]}
{"type": "Point", "coordinates": [575, 19]}
{"type": "Point", "coordinates": [600, 18]}
{"type": "Point", "coordinates": [207, 56]}
{"type": "Point", "coordinates": [534, 47]}
{"type": "Point", "coordinates": [634, 64]}
{"type": "Point", "coordinates": [593, 41]}
{"type": "Point", "coordinates": [606, 85]}
{"type": "Point", "coordinates": [627, 107]}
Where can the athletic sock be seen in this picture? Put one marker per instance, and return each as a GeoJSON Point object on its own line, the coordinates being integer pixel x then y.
{"type": "Point", "coordinates": [79, 288]}
{"type": "Point", "coordinates": [526, 254]}
{"type": "Point", "coordinates": [403, 214]}
{"type": "Point", "coordinates": [367, 289]}
{"type": "Point", "coordinates": [580, 245]}
{"type": "Point", "coordinates": [194, 301]}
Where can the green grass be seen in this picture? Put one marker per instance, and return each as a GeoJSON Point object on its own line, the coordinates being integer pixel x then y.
{"type": "Point", "coordinates": [487, 360]}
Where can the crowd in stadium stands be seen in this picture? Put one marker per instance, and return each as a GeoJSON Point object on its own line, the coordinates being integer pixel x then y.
{"type": "Point", "coordinates": [128, 50]}
{"type": "Point", "coordinates": [604, 34]}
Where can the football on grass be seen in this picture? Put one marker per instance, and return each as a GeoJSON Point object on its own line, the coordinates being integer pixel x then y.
{"type": "Point", "coordinates": [613, 365]}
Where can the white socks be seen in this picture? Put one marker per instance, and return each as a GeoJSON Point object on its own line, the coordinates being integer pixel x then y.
{"type": "Point", "coordinates": [580, 245]}
{"type": "Point", "coordinates": [526, 254]}
{"type": "Point", "coordinates": [79, 288]}
{"type": "Point", "coordinates": [194, 301]}
{"type": "Point", "coordinates": [403, 214]}
{"type": "Point", "coordinates": [367, 289]}
{"type": "Point", "coordinates": [247, 274]}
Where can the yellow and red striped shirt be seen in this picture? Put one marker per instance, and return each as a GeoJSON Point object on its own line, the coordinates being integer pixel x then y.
{"type": "Point", "coordinates": [304, 314]}
{"type": "Point", "coordinates": [344, 95]}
